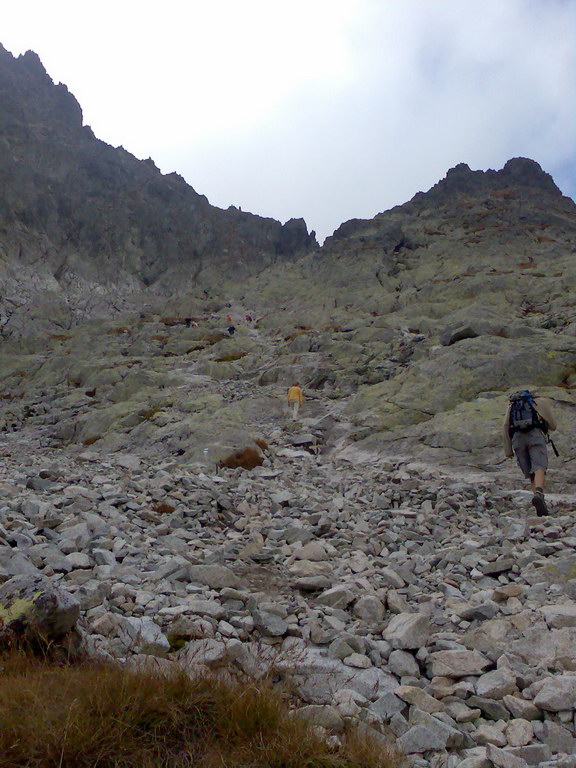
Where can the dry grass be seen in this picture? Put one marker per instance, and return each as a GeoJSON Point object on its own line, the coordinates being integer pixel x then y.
{"type": "Point", "coordinates": [247, 458]}
{"type": "Point", "coordinates": [102, 716]}
{"type": "Point", "coordinates": [163, 508]}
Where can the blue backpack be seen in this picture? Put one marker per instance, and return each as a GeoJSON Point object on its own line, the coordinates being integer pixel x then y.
{"type": "Point", "coordinates": [523, 414]}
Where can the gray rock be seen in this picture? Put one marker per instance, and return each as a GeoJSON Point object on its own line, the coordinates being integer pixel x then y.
{"type": "Point", "coordinates": [387, 705]}
{"type": "Point", "coordinates": [210, 608]}
{"type": "Point", "coordinates": [408, 630]}
{"type": "Point", "coordinates": [458, 663]}
{"type": "Point", "coordinates": [418, 697]}
{"type": "Point", "coordinates": [502, 758]}
{"type": "Point", "coordinates": [31, 604]}
{"type": "Point", "coordinates": [496, 684]}
{"type": "Point", "coordinates": [493, 710]}
{"type": "Point", "coordinates": [369, 609]}
{"type": "Point", "coordinates": [402, 664]}
{"type": "Point", "coordinates": [142, 635]}
{"type": "Point", "coordinates": [533, 754]}
{"type": "Point", "coordinates": [214, 576]}
{"type": "Point", "coordinates": [420, 738]}
{"type": "Point", "coordinates": [557, 693]}
{"type": "Point", "coordinates": [519, 732]}
{"type": "Point", "coordinates": [558, 738]}
{"type": "Point", "coordinates": [337, 597]}
{"type": "Point", "coordinates": [312, 583]}
{"type": "Point", "coordinates": [521, 708]}
{"type": "Point", "coordinates": [326, 716]}
{"type": "Point", "coordinates": [269, 624]}
{"type": "Point", "coordinates": [558, 616]}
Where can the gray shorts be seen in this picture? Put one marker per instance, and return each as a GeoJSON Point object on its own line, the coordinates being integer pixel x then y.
{"type": "Point", "coordinates": [530, 450]}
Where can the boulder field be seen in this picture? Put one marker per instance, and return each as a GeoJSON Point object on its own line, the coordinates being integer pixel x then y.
{"type": "Point", "coordinates": [433, 608]}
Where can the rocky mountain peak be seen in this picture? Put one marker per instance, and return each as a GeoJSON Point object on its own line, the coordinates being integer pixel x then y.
{"type": "Point", "coordinates": [80, 218]}
{"type": "Point", "coordinates": [29, 95]}
{"type": "Point", "coordinates": [520, 173]}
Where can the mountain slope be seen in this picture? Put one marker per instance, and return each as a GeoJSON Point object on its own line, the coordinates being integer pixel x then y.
{"type": "Point", "coordinates": [78, 216]}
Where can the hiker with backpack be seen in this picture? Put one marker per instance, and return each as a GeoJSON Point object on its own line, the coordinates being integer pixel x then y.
{"type": "Point", "coordinates": [526, 426]}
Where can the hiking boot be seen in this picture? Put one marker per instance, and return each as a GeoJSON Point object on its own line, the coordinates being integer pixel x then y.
{"type": "Point", "coordinates": [539, 503]}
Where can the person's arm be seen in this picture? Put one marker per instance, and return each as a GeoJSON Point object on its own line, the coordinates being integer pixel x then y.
{"type": "Point", "coordinates": [300, 398]}
{"type": "Point", "coordinates": [544, 409]}
{"type": "Point", "coordinates": [506, 437]}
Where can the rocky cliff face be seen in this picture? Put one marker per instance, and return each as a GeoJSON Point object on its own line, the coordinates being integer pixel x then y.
{"type": "Point", "coordinates": [79, 217]}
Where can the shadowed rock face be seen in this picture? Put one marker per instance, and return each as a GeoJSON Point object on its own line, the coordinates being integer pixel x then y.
{"type": "Point", "coordinates": [77, 213]}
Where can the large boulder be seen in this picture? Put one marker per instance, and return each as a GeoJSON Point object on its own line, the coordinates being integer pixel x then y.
{"type": "Point", "coordinates": [33, 606]}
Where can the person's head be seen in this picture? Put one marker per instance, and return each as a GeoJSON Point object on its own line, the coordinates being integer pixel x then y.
{"type": "Point", "coordinates": [297, 384]}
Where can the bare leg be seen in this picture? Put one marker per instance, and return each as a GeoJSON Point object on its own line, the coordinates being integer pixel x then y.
{"type": "Point", "coordinates": [538, 490]}
{"type": "Point", "coordinates": [538, 479]}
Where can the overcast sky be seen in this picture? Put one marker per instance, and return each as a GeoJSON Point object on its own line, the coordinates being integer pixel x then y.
{"type": "Point", "coordinates": [322, 109]}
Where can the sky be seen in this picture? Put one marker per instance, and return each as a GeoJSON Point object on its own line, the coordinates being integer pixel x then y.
{"type": "Point", "coordinates": [322, 109]}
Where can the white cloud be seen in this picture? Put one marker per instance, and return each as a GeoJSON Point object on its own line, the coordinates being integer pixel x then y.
{"type": "Point", "coordinates": [326, 109]}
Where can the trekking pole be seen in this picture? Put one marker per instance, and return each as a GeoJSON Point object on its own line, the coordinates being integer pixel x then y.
{"type": "Point", "coordinates": [553, 446]}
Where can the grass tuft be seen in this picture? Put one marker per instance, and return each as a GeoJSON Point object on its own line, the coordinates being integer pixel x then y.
{"type": "Point", "coordinates": [246, 458]}
{"type": "Point", "coordinates": [102, 715]}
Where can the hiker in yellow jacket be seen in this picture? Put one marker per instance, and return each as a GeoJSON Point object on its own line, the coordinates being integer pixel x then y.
{"type": "Point", "coordinates": [295, 399]}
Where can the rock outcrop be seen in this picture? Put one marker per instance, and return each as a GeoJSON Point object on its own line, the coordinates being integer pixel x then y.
{"type": "Point", "coordinates": [82, 222]}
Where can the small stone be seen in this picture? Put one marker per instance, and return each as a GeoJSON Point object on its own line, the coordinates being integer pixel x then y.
{"type": "Point", "coordinates": [501, 565]}
{"type": "Point", "coordinates": [387, 705]}
{"type": "Point", "coordinates": [142, 635]}
{"type": "Point", "coordinates": [210, 608]}
{"type": "Point", "coordinates": [269, 624]}
{"type": "Point", "coordinates": [78, 560]}
{"type": "Point", "coordinates": [493, 710]}
{"type": "Point", "coordinates": [325, 716]}
{"type": "Point", "coordinates": [458, 663]}
{"type": "Point", "coordinates": [358, 660]}
{"type": "Point", "coordinates": [519, 732]}
{"type": "Point", "coordinates": [558, 616]}
{"type": "Point", "coordinates": [339, 649]}
{"type": "Point", "coordinates": [501, 758]}
{"type": "Point", "coordinates": [521, 708]}
{"type": "Point", "coordinates": [460, 712]}
{"type": "Point", "coordinates": [558, 738]}
{"type": "Point", "coordinates": [313, 551]}
{"type": "Point", "coordinates": [408, 630]}
{"type": "Point", "coordinates": [213, 576]}
{"type": "Point", "coordinates": [490, 734]}
{"type": "Point", "coordinates": [419, 739]}
{"type": "Point", "coordinates": [403, 664]}
{"type": "Point", "coordinates": [496, 684]}
{"type": "Point", "coordinates": [312, 583]}
{"type": "Point", "coordinates": [337, 597]}
{"type": "Point", "coordinates": [369, 608]}
{"type": "Point", "coordinates": [558, 693]}
{"type": "Point", "coordinates": [391, 578]}
{"type": "Point", "coordinates": [418, 697]}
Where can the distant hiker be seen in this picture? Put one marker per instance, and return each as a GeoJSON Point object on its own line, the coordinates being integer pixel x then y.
{"type": "Point", "coordinates": [295, 399]}
{"type": "Point", "coordinates": [187, 320]}
{"type": "Point", "coordinates": [231, 330]}
{"type": "Point", "coordinates": [229, 319]}
{"type": "Point", "coordinates": [526, 425]}
{"type": "Point", "coordinates": [248, 318]}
